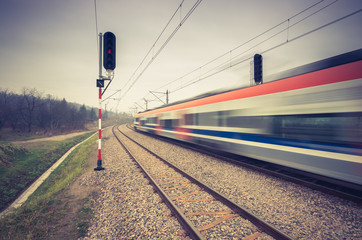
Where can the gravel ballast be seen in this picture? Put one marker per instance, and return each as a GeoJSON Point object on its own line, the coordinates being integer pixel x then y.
{"type": "Point", "coordinates": [202, 209]}
{"type": "Point", "coordinates": [128, 208]}
{"type": "Point", "coordinates": [300, 212]}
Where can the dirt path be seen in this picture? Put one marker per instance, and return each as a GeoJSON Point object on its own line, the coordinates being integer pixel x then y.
{"type": "Point", "coordinates": [33, 187]}
{"type": "Point", "coordinates": [53, 138]}
{"type": "Point", "coordinates": [77, 198]}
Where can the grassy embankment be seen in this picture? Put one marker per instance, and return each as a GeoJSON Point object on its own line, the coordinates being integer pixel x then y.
{"type": "Point", "coordinates": [38, 218]}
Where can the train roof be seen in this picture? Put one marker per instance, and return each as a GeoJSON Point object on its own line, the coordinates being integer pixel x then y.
{"type": "Point", "coordinates": [345, 58]}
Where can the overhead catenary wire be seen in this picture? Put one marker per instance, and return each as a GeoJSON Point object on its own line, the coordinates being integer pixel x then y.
{"type": "Point", "coordinates": [224, 66]}
{"type": "Point", "coordinates": [252, 39]}
{"type": "Point", "coordinates": [119, 90]}
{"type": "Point", "coordinates": [228, 62]}
{"type": "Point", "coordinates": [154, 44]}
{"type": "Point", "coordinates": [272, 48]}
{"type": "Point", "coordinates": [149, 51]}
{"type": "Point", "coordinates": [243, 44]}
{"type": "Point", "coordinates": [162, 46]}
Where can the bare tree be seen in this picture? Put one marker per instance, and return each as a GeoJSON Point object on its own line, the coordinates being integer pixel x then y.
{"type": "Point", "coordinates": [14, 110]}
{"type": "Point", "coordinates": [42, 114]}
{"type": "Point", "coordinates": [3, 107]}
{"type": "Point", "coordinates": [9, 109]}
{"type": "Point", "coordinates": [30, 110]}
{"type": "Point", "coordinates": [30, 102]}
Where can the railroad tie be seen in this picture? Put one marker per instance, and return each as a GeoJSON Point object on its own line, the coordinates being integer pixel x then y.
{"type": "Point", "coordinates": [185, 195]}
{"type": "Point", "coordinates": [169, 183]}
{"type": "Point", "coordinates": [178, 186]}
{"type": "Point", "coordinates": [255, 235]}
{"type": "Point", "coordinates": [165, 176]}
{"type": "Point", "coordinates": [217, 221]}
{"type": "Point", "coordinates": [208, 213]}
{"type": "Point", "coordinates": [197, 200]}
{"type": "Point", "coordinates": [160, 168]}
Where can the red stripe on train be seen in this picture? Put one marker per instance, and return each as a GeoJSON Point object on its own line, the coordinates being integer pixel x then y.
{"type": "Point", "coordinates": [336, 74]}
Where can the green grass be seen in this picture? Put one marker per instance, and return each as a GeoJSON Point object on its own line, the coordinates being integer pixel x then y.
{"type": "Point", "coordinates": [67, 171]}
{"type": "Point", "coordinates": [23, 166]}
{"type": "Point", "coordinates": [8, 152]}
{"type": "Point", "coordinates": [42, 214]}
{"type": "Point", "coordinates": [82, 223]}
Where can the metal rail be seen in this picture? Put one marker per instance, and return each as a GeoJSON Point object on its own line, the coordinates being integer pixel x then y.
{"type": "Point", "coordinates": [188, 226]}
{"type": "Point", "coordinates": [245, 213]}
{"type": "Point", "coordinates": [326, 185]}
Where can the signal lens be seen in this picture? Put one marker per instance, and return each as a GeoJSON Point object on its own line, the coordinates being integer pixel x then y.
{"type": "Point", "coordinates": [109, 51]}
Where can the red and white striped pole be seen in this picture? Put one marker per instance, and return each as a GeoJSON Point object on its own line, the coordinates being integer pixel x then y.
{"type": "Point", "coordinates": [100, 125]}
{"type": "Point", "coordinates": [100, 84]}
{"type": "Point", "coordinates": [99, 161]}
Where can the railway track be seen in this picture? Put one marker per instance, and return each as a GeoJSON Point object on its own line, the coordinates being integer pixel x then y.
{"type": "Point", "coordinates": [202, 211]}
{"type": "Point", "coordinates": [333, 187]}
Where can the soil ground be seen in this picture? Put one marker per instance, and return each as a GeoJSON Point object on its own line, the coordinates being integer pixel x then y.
{"type": "Point", "coordinates": [53, 138]}
{"type": "Point", "coordinates": [75, 198]}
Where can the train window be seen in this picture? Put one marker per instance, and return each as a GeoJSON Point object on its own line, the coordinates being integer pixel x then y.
{"type": "Point", "coordinates": [248, 121]}
{"type": "Point", "coordinates": [212, 119]}
{"type": "Point", "coordinates": [152, 120]}
{"type": "Point", "coordinates": [319, 128]}
{"type": "Point", "coordinates": [175, 122]}
{"type": "Point", "coordinates": [209, 119]}
{"type": "Point", "coordinates": [168, 123]}
{"type": "Point", "coordinates": [196, 118]}
{"type": "Point", "coordinates": [189, 119]}
{"type": "Point", "coordinates": [222, 118]}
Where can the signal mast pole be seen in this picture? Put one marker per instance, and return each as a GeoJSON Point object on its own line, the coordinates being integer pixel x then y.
{"type": "Point", "coordinates": [109, 63]}
{"type": "Point", "coordinates": [100, 84]}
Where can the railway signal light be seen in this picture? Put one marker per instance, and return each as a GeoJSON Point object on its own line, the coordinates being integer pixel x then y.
{"type": "Point", "coordinates": [258, 68]}
{"type": "Point", "coordinates": [109, 51]}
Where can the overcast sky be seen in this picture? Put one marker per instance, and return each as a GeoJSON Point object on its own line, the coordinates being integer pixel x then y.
{"type": "Point", "coordinates": [51, 45]}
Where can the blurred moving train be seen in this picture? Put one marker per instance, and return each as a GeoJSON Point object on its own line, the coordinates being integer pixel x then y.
{"type": "Point", "coordinates": [309, 118]}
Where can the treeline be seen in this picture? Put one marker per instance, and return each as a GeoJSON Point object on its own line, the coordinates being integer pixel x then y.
{"type": "Point", "coordinates": [31, 110]}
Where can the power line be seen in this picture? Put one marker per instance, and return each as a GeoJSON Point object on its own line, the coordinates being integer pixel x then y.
{"type": "Point", "coordinates": [163, 45]}
{"type": "Point", "coordinates": [154, 44]}
{"type": "Point", "coordinates": [119, 90]}
{"type": "Point", "coordinates": [243, 44]}
{"type": "Point", "coordinates": [224, 66]}
{"type": "Point", "coordinates": [314, 30]}
{"type": "Point", "coordinates": [228, 62]}
{"type": "Point", "coordinates": [270, 49]}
